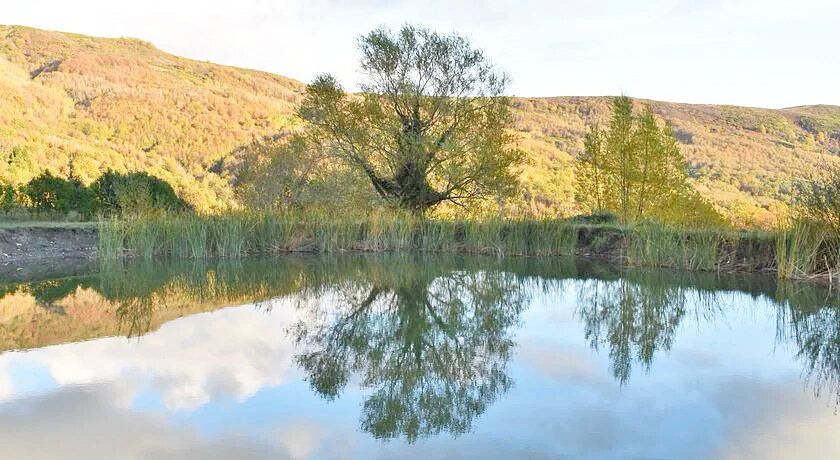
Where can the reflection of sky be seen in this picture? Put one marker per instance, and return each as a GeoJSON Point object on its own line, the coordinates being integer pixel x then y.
{"type": "Point", "coordinates": [224, 384]}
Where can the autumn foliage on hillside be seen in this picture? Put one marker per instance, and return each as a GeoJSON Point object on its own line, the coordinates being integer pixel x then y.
{"type": "Point", "coordinates": [122, 104]}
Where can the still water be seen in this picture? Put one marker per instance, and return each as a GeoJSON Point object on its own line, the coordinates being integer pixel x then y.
{"type": "Point", "coordinates": [415, 357]}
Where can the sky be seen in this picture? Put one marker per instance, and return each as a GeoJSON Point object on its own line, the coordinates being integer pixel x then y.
{"type": "Point", "coordinates": [762, 53]}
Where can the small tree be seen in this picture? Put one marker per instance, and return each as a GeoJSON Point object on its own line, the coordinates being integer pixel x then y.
{"type": "Point", "coordinates": [619, 159]}
{"type": "Point", "coordinates": [636, 170]}
{"type": "Point", "coordinates": [283, 172]}
{"type": "Point", "coordinates": [590, 172]}
{"type": "Point", "coordinates": [49, 193]}
{"type": "Point", "coordinates": [429, 126]}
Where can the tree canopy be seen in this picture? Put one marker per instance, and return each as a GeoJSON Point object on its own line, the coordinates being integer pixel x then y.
{"type": "Point", "coordinates": [636, 170]}
{"type": "Point", "coordinates": [430, 125]}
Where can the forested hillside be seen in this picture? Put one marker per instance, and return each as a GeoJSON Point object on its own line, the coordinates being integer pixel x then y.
{"type": "Point", "coordinates": [80, 105]}
{"type": "Point", "coordinates": [120, 103]}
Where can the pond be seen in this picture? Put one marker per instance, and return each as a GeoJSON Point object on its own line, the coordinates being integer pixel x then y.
{"type": "Point", "coordinates": [409, 356]}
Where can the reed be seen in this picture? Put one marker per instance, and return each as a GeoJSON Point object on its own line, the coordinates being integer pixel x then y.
{"type": "Point", "coordinates": [804, 249]}
{"type": "Point", "coordinates": [692, 249]}
{"type": "Point", "coordinates": [111, 239]}
{"type": "Point", "coordinates": [807, 248]}
{"type": "Point", "coordinates": [241, 234]}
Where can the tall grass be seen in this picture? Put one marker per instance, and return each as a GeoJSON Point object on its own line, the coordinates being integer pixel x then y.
{"type": "Point", "coordinates": [803, 250]}
{"type": "Point", "coordinates": [807, 248]}
{"type": "Point", "coordinates": [241, 234]}
{"type": "Point", "coordinates": [665, 246]}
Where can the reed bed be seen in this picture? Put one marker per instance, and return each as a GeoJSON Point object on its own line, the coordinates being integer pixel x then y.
{"type": "Point", "coordinates": [239, 235]}
{"type": "Point", "coordinates": [691, 249]}
{"type": "Point", "coordinates": [804, 250]}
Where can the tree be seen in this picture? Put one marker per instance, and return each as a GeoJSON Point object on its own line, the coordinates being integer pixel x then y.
{"type": "Point", "coordinates": [135, 193]}
{"type": "Point", "coordinates": [49, 193]}
{"type": "Point", "coordinates": [589, 171]}
{"type": "Point", "coordinates": [661, 166]}
{"type": "Point", "coordinates": [7, 197]}
{"type": "Point", "coordinates": [636, 170]}
{"type": "Point", "coordinates": [283, 172]}
{"type": "Point", "coordinates": [429, 126]}
{"type": "Point", "coordinates": [619, 161]}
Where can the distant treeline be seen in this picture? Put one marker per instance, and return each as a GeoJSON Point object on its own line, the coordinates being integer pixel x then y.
{"type": "Point", "coordinates": [112, 194]}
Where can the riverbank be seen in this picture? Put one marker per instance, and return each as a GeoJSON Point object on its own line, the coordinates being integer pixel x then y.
{"type": "Point", "coordinates": [800, 254]}
{"type": "Point", "coordinates": [39, 247]}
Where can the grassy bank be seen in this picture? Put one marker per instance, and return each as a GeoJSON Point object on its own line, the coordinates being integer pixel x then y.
{"type": "Point", "coordinates": [239, 235]}
{"type": "Point", "coordinates": [801, 251]}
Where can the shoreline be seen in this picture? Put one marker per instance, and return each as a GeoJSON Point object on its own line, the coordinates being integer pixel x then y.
{"type": "Point", "coordinates": [26, 249]}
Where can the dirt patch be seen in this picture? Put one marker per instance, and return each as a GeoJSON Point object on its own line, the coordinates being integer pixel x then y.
{"type": "Point", "coordinates": [22, 248]}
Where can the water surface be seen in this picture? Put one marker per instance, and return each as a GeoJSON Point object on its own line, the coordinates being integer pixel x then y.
{"type": "Point", "coordinates": [416, 357]}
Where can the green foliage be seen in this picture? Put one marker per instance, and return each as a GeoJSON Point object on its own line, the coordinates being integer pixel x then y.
{"type": "Point", "coordinates": [8, 197]}
{"type": "Point", "coordinates": [636, 170]}
{"type": "Point", "coordinates": [819, 199]}
{"type": "Point", "coordinates": [284, 173]}
{"type": "Point", "coordinates": [48, 193]}
{"type": "Point", "coordinates": [112, 194]}
{"type": "Point", "coordinates": [135, 193]}
{"type": "Point", "coordinates": [430, 125]}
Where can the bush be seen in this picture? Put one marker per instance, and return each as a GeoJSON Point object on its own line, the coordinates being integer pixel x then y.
{"type": "Point", "coordinates": [7, 198]}
{"type": "Point", "coordinates": [820, 199]}
{"type": "Point", "coordinates": [48, 193]}
{"type": "Point", "coordinates": [135, 193]}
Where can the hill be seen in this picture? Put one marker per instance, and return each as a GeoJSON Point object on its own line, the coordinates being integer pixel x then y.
{"type": "Point", "coordinates": [75, 102]}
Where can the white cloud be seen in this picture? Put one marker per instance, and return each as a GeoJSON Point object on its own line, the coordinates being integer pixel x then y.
{"type": "Point", "coordinates": [82, 423]}
{"type": "Point", "coordinates": [233, 353]}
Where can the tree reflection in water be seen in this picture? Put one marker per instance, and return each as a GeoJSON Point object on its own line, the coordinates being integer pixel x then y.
{"type": "Point", "coordinates": [637, 316]}
{"type": "Point", "coordinates": [431, 337]}
{"type": "Point", "coordinates": [810, 318]}
{"type": "Point", "coordinates": [432, 345]}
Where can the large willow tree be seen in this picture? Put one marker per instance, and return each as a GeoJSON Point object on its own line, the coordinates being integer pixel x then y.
{"type": "Point", "coordinates": [429, 125]}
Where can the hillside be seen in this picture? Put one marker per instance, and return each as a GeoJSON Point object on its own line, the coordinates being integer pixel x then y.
{"type": "Point", "coordinates": [123, 104]}
{"type": "Point", "coordinates": [96, 103]}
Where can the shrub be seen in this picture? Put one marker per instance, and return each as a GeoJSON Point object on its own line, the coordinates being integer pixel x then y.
{"type": "Point", "coordinates": [48, 193]}
{"type": "Point", "coordinates": [7, 198]}
{"type": "Point", "coordinates": [820, 199]}
{"type": "Point", "coordinates": [135, 193]}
